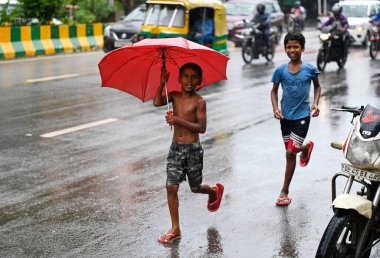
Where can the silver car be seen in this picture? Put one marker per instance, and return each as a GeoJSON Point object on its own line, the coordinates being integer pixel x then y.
{"type": "Point", "coordinates": [358, 14]}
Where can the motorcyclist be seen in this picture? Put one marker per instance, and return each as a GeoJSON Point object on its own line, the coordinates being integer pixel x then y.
{"type": "Point", "coordinates": [299, 12]}
{"type": "Point", "coordinates": [341, 23]}
{"type": "Point", "coordinates": [263, 18]}
{"type": "Point", "coordinates": [376, 19]}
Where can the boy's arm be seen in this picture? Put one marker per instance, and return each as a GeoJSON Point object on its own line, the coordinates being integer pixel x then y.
{"type": "Point", "coordinates": [317, 95]}
{"type": "Point", "coordinates": [274, 98]}
{"type": "Point", "coordinates": [160, 100]}
{"type": "Point", "coordinates": [197, 127]}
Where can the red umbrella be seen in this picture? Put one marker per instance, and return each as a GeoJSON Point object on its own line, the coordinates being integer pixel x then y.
{"type": "Point", "coordinates": [136, 69]}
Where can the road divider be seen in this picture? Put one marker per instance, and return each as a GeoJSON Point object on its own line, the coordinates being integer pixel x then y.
{"type": "Point", "coordinates": [26, 41]}
{"type": "Point", "coordinates": [79, 127]}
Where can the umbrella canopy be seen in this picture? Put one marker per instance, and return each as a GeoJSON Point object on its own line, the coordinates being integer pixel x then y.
{"type": "Point", "coordinates": [136, 69]}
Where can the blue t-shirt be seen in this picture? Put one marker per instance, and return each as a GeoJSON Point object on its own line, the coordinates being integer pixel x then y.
{"type": "Point", "coordinates": [295, 102]}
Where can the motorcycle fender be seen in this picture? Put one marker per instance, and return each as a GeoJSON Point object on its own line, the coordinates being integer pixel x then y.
{"type": "Point", "coordinates": [354, 202]}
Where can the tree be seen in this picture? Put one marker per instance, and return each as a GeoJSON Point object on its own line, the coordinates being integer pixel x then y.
{"type": "Point", "coordinates": [93, 10]}
{"type": "Point", "coordinates": [44, 10]}
{"type": "Point", "coordinates": [7, 15]}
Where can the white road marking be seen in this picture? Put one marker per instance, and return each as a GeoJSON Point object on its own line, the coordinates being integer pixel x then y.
{"type": "Point", "coordinates": [113, 178]}
{"type": "Point", "coordinates": [59, 77]}
{"type": "Point", "coordinates": [79, 127]}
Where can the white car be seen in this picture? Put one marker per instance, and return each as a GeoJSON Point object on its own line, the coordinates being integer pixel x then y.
{"type": "Point", "coordinates": [358, 14]}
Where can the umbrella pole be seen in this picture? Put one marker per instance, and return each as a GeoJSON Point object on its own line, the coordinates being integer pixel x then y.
{"type": "Point", "coordinates": [166, 86]}
{"type": "Point", "coordinates": [167, 102]}
{"type": "Point", "coordinates": [167, 97]}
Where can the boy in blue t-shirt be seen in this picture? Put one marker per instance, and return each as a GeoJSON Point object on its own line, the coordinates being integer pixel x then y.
{"type": "Point", "coordinates": [295, 78]}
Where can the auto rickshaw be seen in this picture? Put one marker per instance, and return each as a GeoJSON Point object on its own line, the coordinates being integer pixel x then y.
{"type": "Point", "coordinates": [180, 18]}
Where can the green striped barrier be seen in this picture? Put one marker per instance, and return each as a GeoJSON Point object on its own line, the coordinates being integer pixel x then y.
{"type": "Point", "coordinates": [26, 41]}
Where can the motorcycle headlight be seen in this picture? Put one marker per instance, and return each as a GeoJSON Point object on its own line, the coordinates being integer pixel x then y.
{"type": "Point", "coordinates": [359, 28]}
{"type": "Point", "coordinates": [324, 36]}
{"type": "Point", "coordinates": [107, 31]}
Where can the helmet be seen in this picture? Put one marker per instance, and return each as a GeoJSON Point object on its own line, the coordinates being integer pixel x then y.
{"type": "Point", "coordinates": [260, 8]}
{"type": "Point", "coordinates": [297, 3]}
{"type": "Point", "coordinates": [336, 10]}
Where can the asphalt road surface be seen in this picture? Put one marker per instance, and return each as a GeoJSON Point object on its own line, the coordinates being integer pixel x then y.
{"type": "Point", "coordinates": [82, 168]}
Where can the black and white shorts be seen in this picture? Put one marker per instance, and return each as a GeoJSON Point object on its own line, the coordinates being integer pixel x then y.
{"type": "Point", "coordinates": [294, 132]}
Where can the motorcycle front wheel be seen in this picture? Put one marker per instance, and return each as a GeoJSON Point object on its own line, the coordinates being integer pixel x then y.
{"type": "Point", "coordinates": [321, 61]}
{"type": "Point", "coordinates": [373, 49]}
{"type": "Point", "coordinates": [270, 52]}
{"type": "Point", "coordinates": [246, 52]}
{"type": "Point", "coordinates": [342, 235]}
{"type": "Point", "coordinates": [342, 60]}
{"type": "Point", "coordinates": [290, 25]}
{"type": "Point", "coordinates": [365, 242]}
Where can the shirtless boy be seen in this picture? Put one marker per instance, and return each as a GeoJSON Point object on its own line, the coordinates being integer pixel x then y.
{"type": "Point", "coordinates": [185, 157]}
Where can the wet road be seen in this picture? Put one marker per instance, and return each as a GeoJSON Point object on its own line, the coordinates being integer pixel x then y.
{"type": "Point", "coordinates": [99, 191]}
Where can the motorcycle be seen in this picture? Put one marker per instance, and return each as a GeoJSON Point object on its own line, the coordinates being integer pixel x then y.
{"type": "Point", "coordinates": [333, 48]}
{"type": "Point", "coordinates": [374, 44]}
{"type": "Point", "coordinates": [253, 42]}
{"type": "Point", "coordinates": [355, 227]}
{"type": "Point", "coordinates": [294, 23]}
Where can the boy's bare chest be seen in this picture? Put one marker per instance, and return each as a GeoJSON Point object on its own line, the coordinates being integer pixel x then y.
{"type": "Point", "coordinates": [185, 107]}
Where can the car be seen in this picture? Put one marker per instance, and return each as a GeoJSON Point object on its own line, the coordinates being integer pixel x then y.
{"type": "Point", "coordinates": [239, 10]}
{"type": "Point", "coordinates": [358, 14]}
{"type": "Point", "coordinates": [124, 32]}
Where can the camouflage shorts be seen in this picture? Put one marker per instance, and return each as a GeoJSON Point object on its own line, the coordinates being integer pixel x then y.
{"type": "Point", "coordinates": [185, 159]}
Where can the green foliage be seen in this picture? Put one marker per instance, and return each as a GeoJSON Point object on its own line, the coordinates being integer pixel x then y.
{"type": "Point", "coordinates": [92, 11]}
{"type": "Point", "coordinates": [7, 16]}
{"type": "Point", "coordinates": [43, 10]}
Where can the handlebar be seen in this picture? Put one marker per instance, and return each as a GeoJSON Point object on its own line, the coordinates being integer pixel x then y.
{"type": "Point", "coordinates": [356, 111]}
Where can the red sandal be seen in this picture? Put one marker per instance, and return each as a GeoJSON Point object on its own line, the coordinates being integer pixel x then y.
{"type": "Point", "coordinates": [168, 238]}
{"type": "Point", "coordinates": [214, 206]}
{"type": "Point", "coordinates": [305, 161]}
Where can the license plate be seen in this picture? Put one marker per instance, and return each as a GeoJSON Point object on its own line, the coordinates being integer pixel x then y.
{"type": "Point", "coordinates": [360, 173]}
{"type": "Point", "coordinates": [120, 43]}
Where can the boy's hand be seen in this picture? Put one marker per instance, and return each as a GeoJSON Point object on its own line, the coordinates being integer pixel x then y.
{"type": "Point", "coordinates": [164, 75]}
{"type": "Point", "coordinates": [278, 114]}
{"type": "Point", "coordinates": [170, 118]}
{"type": "Point", "coordinates": [314, 110]}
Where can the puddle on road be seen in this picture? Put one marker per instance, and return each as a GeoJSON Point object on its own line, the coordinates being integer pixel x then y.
{"type": "Point", "coordinates": [288, 241]}
{"type": "Point", "coordinates": [215, 247]}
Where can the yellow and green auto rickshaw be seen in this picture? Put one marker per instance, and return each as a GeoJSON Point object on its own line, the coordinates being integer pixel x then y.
{"type": "Point", "coordinates": [202, 21]}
